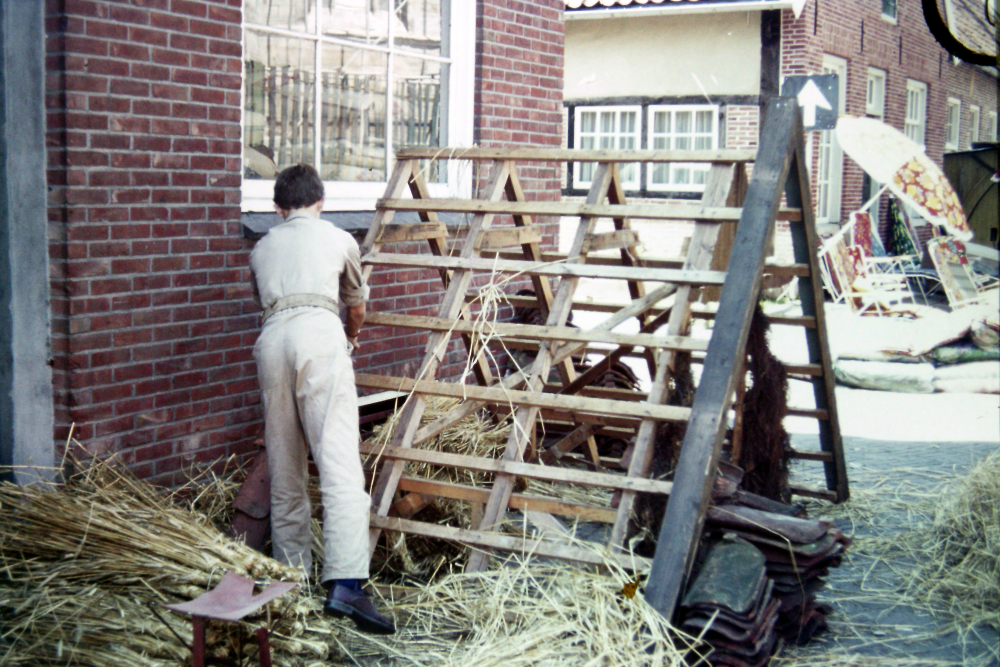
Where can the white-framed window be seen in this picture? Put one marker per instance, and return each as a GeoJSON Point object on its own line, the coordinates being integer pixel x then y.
{"type": "Point", "coordinates": [875, 95]}
{"type": "Point", "coordinates": [889, 10]}
{"type": "Point", "coordinates": [973, 124]}
{"type": "Point", "coordinates": [952, 123]}
{"type": "Point", "coordinates": [991, 127]}
{"type": "Point", "coordinates": [830, 165]}
{"type": "Point", "coordinates": [342, 85]}
{"type": "Point", "coordinates": [681, 128]}
{"type": "Point", "coordinates": [915, 123]}
{"type": "Point", "coordinates": [610, 128]}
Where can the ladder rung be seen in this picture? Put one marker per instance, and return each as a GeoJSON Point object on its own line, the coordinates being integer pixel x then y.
{"type": "Point", "coordinates": [538, 546]}
{"type": "Point", "coordinates": [826, 457]}
{"type": "Point", "coordinates": [519, 469]}
{"type": "Point", "coordinates": [814, 370]}
{"type": "Point", "coordinates": [545, 269]}
{"type": "Point", "coordinates": [501, 396]}
{"type": "Point", "coordinates": [822, 494]}
{"type": "Point", "coordinates": [808, 412]}
{"type": "Point", "coordinates": [799, 321]}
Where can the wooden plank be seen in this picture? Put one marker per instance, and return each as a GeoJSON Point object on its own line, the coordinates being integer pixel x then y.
{"type": "Point", "coordinates": [822, 494]}
{"type": "Point", "coordinates": [804, 245]}
{"type": "Point", "coordinates": [804, 369]}
{"type": "Point", "coordinates": [518, 469]}
{"type": "Point", "coordinates": [652, 262]}
{"type": "Point", "coordinates": [682, 524]}
{"type": "Point", "coordinates": [565, 208]}
{"type": "Point", "coordinates": [518, 501]}
{"type": "Point", "coordinates": [452, 304]}
{"type": "Point", "coordinates": [506, 237]}
{"type": "Point", "coordinates": [535, 269]}
{"type": "Point", "coordinates": [568, 443]}
{"type": "Point", "coordinates": [416, 231]}
{"type": "Point", "coordinates": [623, 238]}
{"type": "Point", "coordinates": [811, 456]}
{"type": "Point", "coordinates": [537, 332]}
{"type": "Point", "coordinates": [571, 155]}
{"type": "Point", "coordinates": [806, 321]}
{"type": "Point", "coordinates": [598, 406]}
{"type": "Point", "coordinates": [536, 546]}
{"type": "Point", "coordinates": [809, 412]}
{"type": "Point", "coordinates": [724, 186]}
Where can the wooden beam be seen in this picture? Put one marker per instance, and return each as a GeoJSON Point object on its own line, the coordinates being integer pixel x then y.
{"type": "Point", "coordinates": [544, 269]}
{"type": "Point", "coordinates": [573, 155]}
{"type": "Point", "coordinates": [598, 406]}
{"type": "Point", "coordinates": [506, 237]}
{"type": "Point", "coordinates": [564, 208]}
{"type": "Point", "coordinates": [536, 546]}
{"type": "Point", "coordinates": [536, 332]}
{"type": "Point", "coordinates": [617, 240]}
{"type": "Point", "coordinates": [518, 469]}
{"type": "Point", "coordinates": [681, 528]}
{"type": "Point", "coordinates": [416, 231]}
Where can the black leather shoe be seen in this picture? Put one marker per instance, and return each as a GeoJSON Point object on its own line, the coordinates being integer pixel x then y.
{"type": "Point", "coordinates": [342, 601]}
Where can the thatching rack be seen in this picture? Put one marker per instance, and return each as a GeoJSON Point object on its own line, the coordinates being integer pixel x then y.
{"type": "Point", "coordinates": [779, 168]}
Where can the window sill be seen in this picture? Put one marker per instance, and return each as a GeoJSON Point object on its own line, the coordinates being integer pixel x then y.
{"type": "Point", "coordinates": [255, 225]}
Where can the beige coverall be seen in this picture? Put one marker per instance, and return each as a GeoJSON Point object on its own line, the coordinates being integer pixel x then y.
{"type": "Point", "coordinates": [307, 385]}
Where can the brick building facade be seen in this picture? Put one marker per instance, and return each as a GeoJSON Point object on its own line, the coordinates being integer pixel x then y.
{"type": "Point", "coordinates": [151, 314]}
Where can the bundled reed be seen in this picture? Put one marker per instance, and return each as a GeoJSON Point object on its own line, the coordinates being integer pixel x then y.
{"type": "Point", "coordinates": [83, 561]}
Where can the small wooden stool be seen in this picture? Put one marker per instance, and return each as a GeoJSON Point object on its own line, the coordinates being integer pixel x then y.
{"type": "Point", "coordinates": [231, 600]}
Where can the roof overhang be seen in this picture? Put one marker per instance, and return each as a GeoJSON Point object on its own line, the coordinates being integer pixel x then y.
{"type": "Point", "coordinates": [676, 8]}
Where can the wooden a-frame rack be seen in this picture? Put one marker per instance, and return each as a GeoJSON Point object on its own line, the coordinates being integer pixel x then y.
{"type": "Point", "coordinates": [661, 291]}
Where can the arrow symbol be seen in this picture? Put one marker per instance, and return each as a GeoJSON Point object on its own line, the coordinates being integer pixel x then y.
{"type": "Point", "coordinates": [809, 98]}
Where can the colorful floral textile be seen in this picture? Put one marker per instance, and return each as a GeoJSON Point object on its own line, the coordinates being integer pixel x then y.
{"type": "Point", "coordinates": [863, 232]}
{"type": "Point", "coordinates": [923, 184]}
{"type": "Point", "coordinates": [899, 232]}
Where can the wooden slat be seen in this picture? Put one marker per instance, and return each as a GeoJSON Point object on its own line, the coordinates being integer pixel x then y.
{"type": "Point", "coordinates": [581, 404]}
{"type": "Point", "coordinates": [536, 546]}
{"type": "Point", "coordinates": [536, 332]}
{"type": "Point", "coordinates": [571, 155]}
{"type": "Point", "coordinates": [564, 208]}
{"type": "Point", "coordinates": [518, 469]}
{"type": "Point", "coordinates": [518, 501]}
{"type": "Point", "coordinates": [624, 238]}
{"type": "Point", "coordinates": [506, 237]}
{"type": "Point", "coordinates": [685, 515]}
{"type": "Point", "coordinates": [811, 456]}
{"type": "Point", "coordinates": [809, 412]}
{"type": "Point", "coordinates": [814, 370]}
{"type": "Point", "coordinates": [822, 494]}
{"type": "Point", "coordinates": [536, 269]}
{"type": "Point", "coordinates": [417, 231]}
{"type": "Point", "coordinates": [795, 321]}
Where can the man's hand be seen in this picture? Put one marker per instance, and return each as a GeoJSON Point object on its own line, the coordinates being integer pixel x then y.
{"type": "Point", "coordinates": [353, 342]}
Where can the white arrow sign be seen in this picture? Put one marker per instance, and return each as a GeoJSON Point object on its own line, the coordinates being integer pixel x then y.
{"type": "Point", "coordinates": [809, 98]}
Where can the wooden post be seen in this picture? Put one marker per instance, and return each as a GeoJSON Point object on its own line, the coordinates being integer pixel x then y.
{"type": "Point", "coordinates": [681, 529]}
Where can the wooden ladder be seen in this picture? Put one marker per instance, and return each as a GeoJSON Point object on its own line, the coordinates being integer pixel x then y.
{"type": "Point", "coordinates": [661, 294]}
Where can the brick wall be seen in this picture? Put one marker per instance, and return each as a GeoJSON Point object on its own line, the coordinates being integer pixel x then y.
{"type": "Point", "coordinates": [855, 31]}
{"type": "Point", "coordinates": [741, 127]}
{"type": "Point", "coordinates": [151, 329]}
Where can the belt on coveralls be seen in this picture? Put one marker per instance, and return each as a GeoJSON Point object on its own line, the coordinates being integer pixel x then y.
{"type": "Point", "coordinates": [297, 300]}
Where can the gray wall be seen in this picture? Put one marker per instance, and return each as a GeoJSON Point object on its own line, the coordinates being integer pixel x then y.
{"type": "Point", "coordinates": [26, 417]}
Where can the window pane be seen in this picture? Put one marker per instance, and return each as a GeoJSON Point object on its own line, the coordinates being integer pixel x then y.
{"type": "Point", "coordinates": [418, 26]}
{"type": "Point", "coordinates": [607, 121]}
{"type": "Point", "coordinates": [661, 173]}
{"type": "Point", "coordinates": [661, 122]}
{"type": "Point", "coordinates": [682, 122]}
{"type": "Point", "coordinates": [628, 122]}
{"type": "Point", "coordinates": [363, 21]}
{"type": "Point", "coordinates": [703, 122]}
{"type": "Point", "coordinates": [354, 114]}
{"type": "Point", "coordinates": [588, 123]}
{"type": "Point", "coordinates": [682, 143]}
{"type": "Point", "coordinates": [661, 143]}
{"type": "Point", "coordinates": [700, 175]}
{"type": "Point", "coordinates": [287, 14]}
{"type": "Point", "coordinates": [682, 175]}
{"type": "Point", "coordinates": [416, 107]}
{"type": "Point", "coordinates": [607, 141]}
{"type": "Point", "coordinates": [703, 143]}
{"type": "Point", "coordinates": [280, 90]}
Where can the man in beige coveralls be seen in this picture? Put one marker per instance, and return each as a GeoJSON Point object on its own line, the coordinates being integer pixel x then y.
{"type": "Point", "coordinates": [303, 270]}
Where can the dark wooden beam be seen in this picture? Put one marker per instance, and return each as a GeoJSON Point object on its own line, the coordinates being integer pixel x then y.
{"type": "Point", "coordinates": [685, 514]}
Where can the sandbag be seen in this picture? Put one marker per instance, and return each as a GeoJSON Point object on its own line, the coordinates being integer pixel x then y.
{"type": "Point", "coordinates": [981, 377]}
{"type": "Point", "coordinates": [961, 353]}
{"type": "Point", "coordinates": [885, 375]}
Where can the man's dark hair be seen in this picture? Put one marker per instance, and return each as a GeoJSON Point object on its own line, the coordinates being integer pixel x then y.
{"type": "Point", "coordinates": [297, 187]}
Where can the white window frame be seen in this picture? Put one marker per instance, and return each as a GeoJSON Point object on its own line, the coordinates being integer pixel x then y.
{"type": "Point", "coordinates": [974, 120]}
{"type": "Point", "coordinates": [991, 130]}
{"type": "Point", "coordinates": [830, 164]}
{"type": "Point", "coordinates": [629, 172]}
{"type": "Point", "coordinates": [675, 168]}
{"type": "Point", "coordinates": [952, 123]}
{"type": "Point", "coordinates": [893, 15]}
{"type": "Point", "coordinates": [875, 93]}
{"type": "Point", "coordinates": [258, 194]}
{"type": "Point", "coordinates": [915, 120]}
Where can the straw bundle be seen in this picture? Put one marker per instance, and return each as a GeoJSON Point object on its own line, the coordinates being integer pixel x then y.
{"type": "Point", "coordinates": [529, 613]}
{"type": "Point", "coordinates": [84, 559]}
